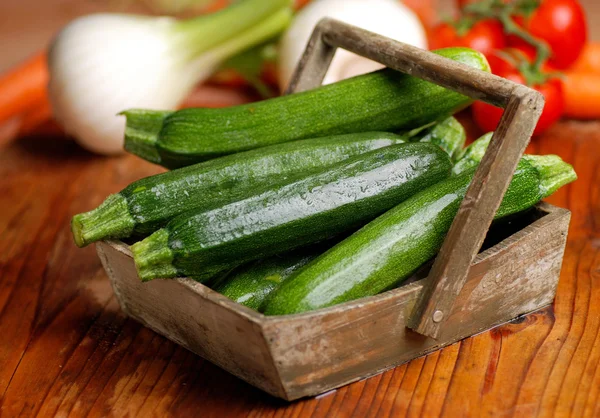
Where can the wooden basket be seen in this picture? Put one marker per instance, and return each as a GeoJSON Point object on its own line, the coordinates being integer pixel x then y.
{"type": "Point", "coordinates": [465, 292]}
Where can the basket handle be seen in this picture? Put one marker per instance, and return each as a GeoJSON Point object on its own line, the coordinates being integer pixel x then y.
{"type": "Point", "coordinates": [523, 107]}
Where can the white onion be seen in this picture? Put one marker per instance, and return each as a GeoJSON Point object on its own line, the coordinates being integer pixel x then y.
{"type": "Point", "coordinates": [386, 17]}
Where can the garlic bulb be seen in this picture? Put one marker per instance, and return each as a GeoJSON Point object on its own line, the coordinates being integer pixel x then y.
{"type": "Point", "coordinates": [385, 17]}
{"type": "Point", "coordinates": [103, 64]}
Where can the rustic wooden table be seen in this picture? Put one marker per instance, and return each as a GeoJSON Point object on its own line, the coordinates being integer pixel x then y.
{"type": "Point", "coordinates": [67, 349]}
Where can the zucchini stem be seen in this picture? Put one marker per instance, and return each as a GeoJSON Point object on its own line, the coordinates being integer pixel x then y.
{"type": "Point", "coordinates": [141, 132]}
{"type": "Point", "coordinates": [109, 220]}
{"type": "Point", "coordinates": [554, 172]}
{"type": "Point", "coordinates": [153, 257]}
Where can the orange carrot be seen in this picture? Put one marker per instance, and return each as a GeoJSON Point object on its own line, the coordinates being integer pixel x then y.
{"type": "Point", "coordinates": [589, 60]}
{"type": "Point", "coordinates": [216, 5]}
{"type": "Point", "coordinates": [23, 87]}
{"type": "Point", "coordinates": [582, 95]}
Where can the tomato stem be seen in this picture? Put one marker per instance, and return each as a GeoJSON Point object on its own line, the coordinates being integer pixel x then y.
{"type": "Point", "coordinates": [511, 28]}
{"type": "Point", "coordinates": [504, 13]}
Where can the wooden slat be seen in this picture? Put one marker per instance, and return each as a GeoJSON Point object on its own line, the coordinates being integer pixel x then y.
{"type": "Point", "coordinates": [476, 212]}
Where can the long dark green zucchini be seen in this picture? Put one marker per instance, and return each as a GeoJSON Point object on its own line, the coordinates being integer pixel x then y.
{"type": "Point", "coordinates": [148, 204]}
{"type": "Point", "coordinates": [389, 249]}
{"type": "Point", "coordinates": [291, 214]}
{"type": "Point", "coordinates": [384, 100]}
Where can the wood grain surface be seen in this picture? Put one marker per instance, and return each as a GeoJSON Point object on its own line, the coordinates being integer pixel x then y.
{"type": "Point", "coordinates": [67, 350]}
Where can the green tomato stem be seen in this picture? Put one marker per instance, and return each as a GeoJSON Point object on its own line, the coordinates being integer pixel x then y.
{"type": "Point", "coordinates": [503, 12]}
{"type": "Point", "coordinates": [511, 28]}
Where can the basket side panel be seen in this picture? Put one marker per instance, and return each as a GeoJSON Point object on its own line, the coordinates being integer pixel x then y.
{"type": "Point", "coordinates": [179, 311]}
{"type": "Point", "coordinates": [316, 352]}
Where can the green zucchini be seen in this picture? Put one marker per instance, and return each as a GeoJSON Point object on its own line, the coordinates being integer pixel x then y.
{"type": "Point", "coordinates": [449, 134]}
{"type": "Point", "coordinates": [384, 100]}
{"type": "Point", "coordinates": [250, 284]}
{"type": "Point", "coordinates": [389, 249]}
{"type": "Point", "coordinates": [291, 214]}
{"type": "Point", "coordinates": [472, 155]}
{"type": "Point", "coordinates": [148, 204]}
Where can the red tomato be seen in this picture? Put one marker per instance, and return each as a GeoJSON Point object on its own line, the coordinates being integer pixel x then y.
{"type": "Point", "coordinates": [487, 116]}
{"type": "Point", "coordinates": [562, 25]}
{"type": "Point", "coordinates": [485, 36]}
